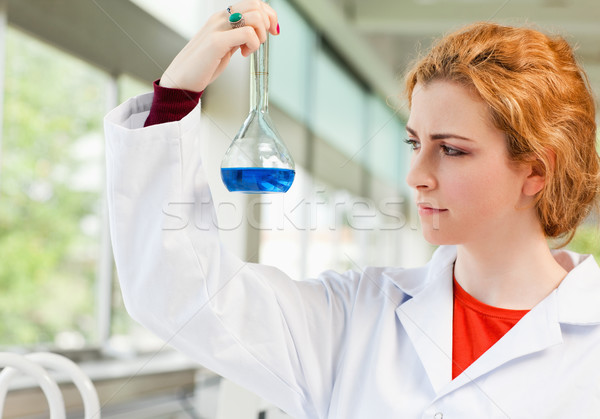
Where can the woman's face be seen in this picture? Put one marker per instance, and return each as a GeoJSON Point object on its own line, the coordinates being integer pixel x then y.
{"type": "Point", "coordinates": [466, 188]}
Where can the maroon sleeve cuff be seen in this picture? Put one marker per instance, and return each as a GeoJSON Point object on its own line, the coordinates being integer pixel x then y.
{"type": "Point", "coordinates": [170, 105]}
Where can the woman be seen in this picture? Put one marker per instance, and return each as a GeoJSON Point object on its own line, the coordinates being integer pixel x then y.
{"type": "Point", "coordinates": [496, 325]}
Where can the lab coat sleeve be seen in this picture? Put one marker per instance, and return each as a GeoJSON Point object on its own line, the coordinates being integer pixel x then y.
{"type": "Point", "coordinates": [250, 323]}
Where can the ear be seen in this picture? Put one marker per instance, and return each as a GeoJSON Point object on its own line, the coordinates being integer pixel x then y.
{"type": "Point", "coordinates": [536, 179]}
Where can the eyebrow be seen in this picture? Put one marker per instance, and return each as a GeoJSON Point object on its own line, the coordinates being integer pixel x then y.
{"type": "Point", "coordinates": [440, 136]}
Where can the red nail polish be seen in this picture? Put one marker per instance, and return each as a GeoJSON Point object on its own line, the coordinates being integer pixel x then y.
{"type": "Point", "coordinates": [278, 29]}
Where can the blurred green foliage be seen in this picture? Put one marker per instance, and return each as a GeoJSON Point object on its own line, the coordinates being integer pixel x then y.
{"type": "Point", "coordinates": [587, 240]}
{"type": "Point", "coordinates": [50, 193]}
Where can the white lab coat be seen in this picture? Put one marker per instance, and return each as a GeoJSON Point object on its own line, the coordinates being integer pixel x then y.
{"type": "Point", "coordinates": [369, 344]}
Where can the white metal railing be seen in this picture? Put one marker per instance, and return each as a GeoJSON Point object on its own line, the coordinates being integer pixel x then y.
{"type": "Point", "coordinates": [36, 365]}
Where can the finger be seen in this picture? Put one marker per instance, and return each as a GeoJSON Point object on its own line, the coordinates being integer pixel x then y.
{"type": "Point", "coordinates": [273, 19]}
{"type": "Point", "coordinates": [222, 64]}
{"type": "Point", "coordinates": [247, 6]}
{"type": "Point", "coordinates": [254, 20]}
{"type": "Point", "coordinates": [249, 48]}
{"type": "Point", "coordinates": [264, 15]}
{"type": "Point", "coordinates": [258, 6]}
{"type": "Point", "coordinates": [245, 38]}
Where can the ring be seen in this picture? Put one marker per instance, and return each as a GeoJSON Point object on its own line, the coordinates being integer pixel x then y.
{"type": "Point", "coordinates": [236, 20]}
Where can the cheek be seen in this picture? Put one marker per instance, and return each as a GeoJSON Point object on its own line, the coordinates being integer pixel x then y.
{"type": "Point", "coordinates": [465, 185]}
{"type": "Point", "coordinates": [480, 188]}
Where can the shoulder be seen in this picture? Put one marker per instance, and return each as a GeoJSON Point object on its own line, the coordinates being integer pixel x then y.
{"type": "Point", "coordinates": [579, 292]}
{"type": "Point", "coordinates": [400, 284]}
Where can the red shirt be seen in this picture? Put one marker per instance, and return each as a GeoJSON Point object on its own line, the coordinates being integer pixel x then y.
{"type": "Point", "coordinates": [476, 327]}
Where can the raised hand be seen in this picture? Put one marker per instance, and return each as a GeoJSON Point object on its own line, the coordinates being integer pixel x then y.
{"type": "Point", "coordinates": [207, 54]}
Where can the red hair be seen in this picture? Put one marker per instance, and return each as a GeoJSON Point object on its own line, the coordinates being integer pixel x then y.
{"type": "Point", "coordinates": [540, 98]}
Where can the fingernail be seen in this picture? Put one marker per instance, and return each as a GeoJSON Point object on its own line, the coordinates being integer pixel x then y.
{"type": "Point", "coordinates": [278, 29]}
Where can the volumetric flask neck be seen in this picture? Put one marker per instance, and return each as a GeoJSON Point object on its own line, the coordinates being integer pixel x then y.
{"type": "Point", "coordinates": [259, 79]}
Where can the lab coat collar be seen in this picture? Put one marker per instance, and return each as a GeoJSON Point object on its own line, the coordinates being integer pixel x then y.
{"type": "Point", "coordinates": [427, 317]}
{"type": "Point", "coordinates": [579, 293]}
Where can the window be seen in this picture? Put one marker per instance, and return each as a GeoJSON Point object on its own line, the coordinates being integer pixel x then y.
{"type": "Point", "coordinates": [289, 61]}
{"type": "Point", "coordinates": [387, 155]}
{"type": "Point", "coordinates": [51, 185]}
{"type": "Point", "coordinates": [316, 225]}
{"type": "Point", "coordinates": [339, 107]}
{"type": "Point", "coordinates": [309, 229]}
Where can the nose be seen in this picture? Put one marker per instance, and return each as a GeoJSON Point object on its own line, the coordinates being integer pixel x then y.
{"type": "Point", "coordinates": [421, 174]}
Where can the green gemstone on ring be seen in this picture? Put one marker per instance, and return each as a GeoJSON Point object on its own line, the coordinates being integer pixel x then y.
{"type": "Point", "coordinates": [235, 17]}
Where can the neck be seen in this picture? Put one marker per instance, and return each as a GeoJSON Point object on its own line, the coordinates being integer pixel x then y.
{"type": "Point", "coordinates": [259, 69]}
{"type": "Point", "coordinates": [515, 270]}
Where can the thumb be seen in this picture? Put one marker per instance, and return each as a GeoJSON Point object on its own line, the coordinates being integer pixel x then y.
{"type": "Point", "coordinates": [223, 63]}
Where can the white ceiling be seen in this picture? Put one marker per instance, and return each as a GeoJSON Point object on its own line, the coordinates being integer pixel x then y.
{"type": "Point", "coordinates": [375, 38]}
{"type": "Point", "coordinates": [395, 29]}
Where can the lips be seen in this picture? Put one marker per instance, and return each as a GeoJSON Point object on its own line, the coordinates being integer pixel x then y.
{"type": "Point", "coordinates": [426, 209]}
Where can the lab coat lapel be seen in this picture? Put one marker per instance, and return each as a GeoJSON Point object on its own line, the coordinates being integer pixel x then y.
{"type": "Point", "coordinates": [427, 319]}
{"type": "Point", "coordinates": [575, 301]}
{"type": "Point", "coordinates": [537, 330]}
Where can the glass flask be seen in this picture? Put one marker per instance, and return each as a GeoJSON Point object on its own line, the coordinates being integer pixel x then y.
{"type": "Point", "coordinates": [257, 161]}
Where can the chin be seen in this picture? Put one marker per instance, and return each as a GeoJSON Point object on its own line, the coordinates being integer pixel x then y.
{"type": "Point", "coordinates": [438, 238]}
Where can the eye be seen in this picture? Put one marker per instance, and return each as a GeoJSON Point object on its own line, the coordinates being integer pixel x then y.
{"type": "Point", "coordinates": [451, 151]}
{"type": "Point", "coordinates": [414, 144]}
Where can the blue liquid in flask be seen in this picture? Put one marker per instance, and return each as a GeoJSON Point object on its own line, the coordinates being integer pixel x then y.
{"type": "Point", "coordinates": [257, 179]}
